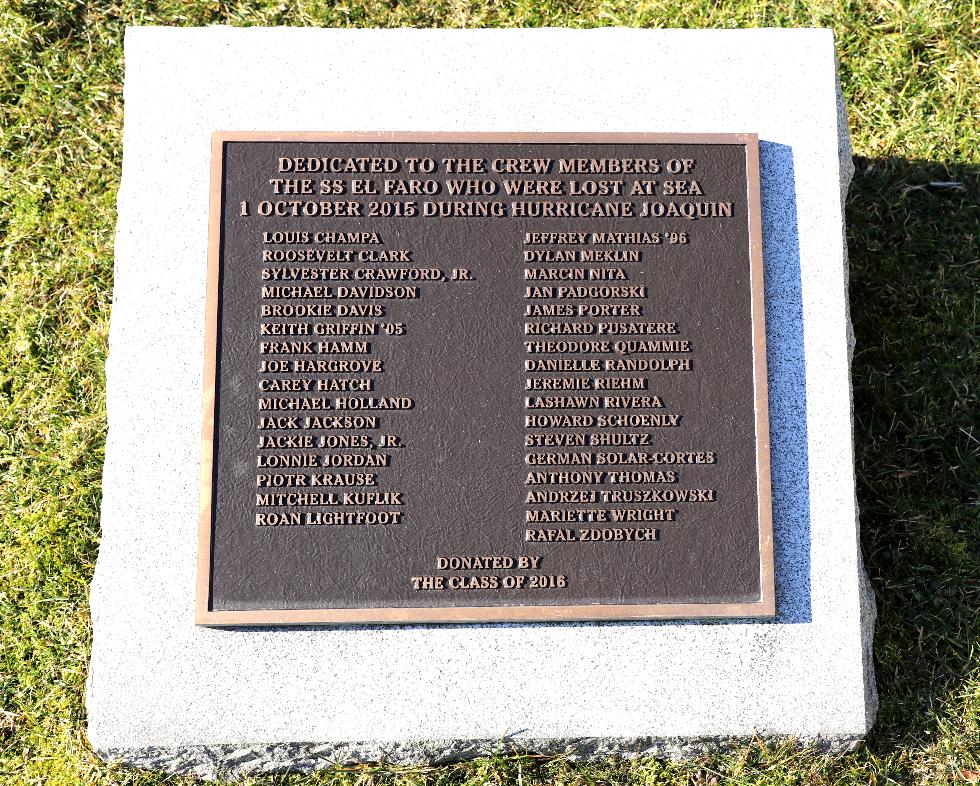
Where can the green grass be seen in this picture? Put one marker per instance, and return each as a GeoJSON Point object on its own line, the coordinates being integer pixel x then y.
{"type": "Point", "coordinates": [911, 76]}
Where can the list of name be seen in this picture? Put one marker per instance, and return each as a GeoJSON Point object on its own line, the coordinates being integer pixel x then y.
{"type": "Point", "coordinates": [598, 418]}
{"type": "Point", "coordinates": [323, 394]}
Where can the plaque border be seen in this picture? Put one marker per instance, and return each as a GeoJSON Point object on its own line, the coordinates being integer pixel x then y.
{"type": "Point", "coordinates": [764, 608]}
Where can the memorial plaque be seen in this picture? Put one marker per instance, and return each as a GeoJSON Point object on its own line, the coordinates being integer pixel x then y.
{"type": "Point", "coordinates": [484, 377]}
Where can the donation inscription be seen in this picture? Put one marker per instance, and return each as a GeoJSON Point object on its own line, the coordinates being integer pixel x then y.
{"type": "Point", "coordinates": [484, 377]}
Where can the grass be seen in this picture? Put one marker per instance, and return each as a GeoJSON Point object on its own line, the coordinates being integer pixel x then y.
{"type": "Point", "coordinates": [910, 74]}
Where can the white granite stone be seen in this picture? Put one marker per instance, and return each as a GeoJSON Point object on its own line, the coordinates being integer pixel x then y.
{"type": "Point", "coordinates": [163, 692]}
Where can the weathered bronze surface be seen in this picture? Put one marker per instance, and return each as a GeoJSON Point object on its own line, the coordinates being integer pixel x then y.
{"type": "Point", "coordinates": [484, 377]}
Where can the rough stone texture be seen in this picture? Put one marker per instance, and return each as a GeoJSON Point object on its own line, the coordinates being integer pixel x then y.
{"type": "Point", "coordinates": [221, 762]}
{"type": "Point", "coordinates": [165, 693]}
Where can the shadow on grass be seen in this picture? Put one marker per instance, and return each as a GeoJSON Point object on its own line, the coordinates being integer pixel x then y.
{"type": "Point", "coordinates": [915, 278]}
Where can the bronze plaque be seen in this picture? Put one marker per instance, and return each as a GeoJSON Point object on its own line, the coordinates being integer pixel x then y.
{"type": "Point", "coordinates": [484, 377]}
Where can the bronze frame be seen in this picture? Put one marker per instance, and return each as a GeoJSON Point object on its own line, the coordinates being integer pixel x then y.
{"type": "Point", "coordinates": [766, 607]}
